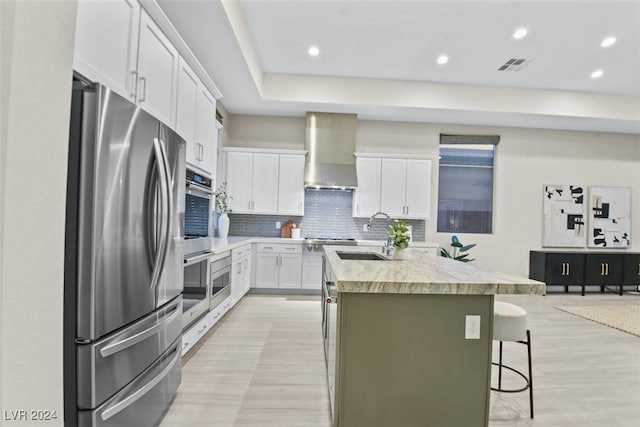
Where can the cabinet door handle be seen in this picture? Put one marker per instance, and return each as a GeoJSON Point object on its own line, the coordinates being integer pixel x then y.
{"type": "Point", "coordinates": [606, 264]}
{"type": "Point", "coordinates": [565, 268]}
{"type": "Point", "coordinates": [134, 85]}
{"type": "Point", "coordinates": [143, 81]}
{"type": "Point", "coordinates": [407, 210]}
{"type": "Point", "coordinates": [602, 268]}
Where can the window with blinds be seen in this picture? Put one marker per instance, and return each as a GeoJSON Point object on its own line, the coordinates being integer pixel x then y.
{"type": "Point", "coordinates": [465, 184]}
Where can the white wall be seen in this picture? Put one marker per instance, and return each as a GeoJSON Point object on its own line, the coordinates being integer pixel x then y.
{"type": "Point", "coordinates": [286, 133]}
{"type": "Point", "coordinates": [526, 159]}
{"type": "Point", "coordinates": [36, 51]}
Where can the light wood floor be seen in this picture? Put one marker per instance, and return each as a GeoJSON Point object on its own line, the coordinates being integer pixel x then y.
{"type": "Point", "coordinates": [263, 365]}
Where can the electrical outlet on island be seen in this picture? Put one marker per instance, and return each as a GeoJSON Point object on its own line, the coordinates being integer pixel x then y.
{"type": "Point", "coordinates": [472, 327]}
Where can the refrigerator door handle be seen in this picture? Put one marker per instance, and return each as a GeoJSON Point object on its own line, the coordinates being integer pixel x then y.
{"type": "Point", "coordinates": [133, 397]}
{"type": "Point", "coordinates": [135, 339]}
{"type": "Point", "coordinates": [161, 167]}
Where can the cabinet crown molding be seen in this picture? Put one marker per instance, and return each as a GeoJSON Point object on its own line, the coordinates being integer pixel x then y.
{"type": "Point", "coordinates": [263, 150]}
{"type": "Point", "coordinates": [394, 156]}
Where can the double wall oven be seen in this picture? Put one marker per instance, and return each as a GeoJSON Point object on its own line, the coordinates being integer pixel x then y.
{"type": "Point", "coordinates": [207, 276]}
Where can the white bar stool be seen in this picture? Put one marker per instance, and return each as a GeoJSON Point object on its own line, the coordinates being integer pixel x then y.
{"type": "Point", "coordinates": [510, 324]}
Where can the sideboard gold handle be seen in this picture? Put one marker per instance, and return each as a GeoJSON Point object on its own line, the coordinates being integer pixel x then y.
{"type": "Point", "coordinates": [606, 264]}
{"type": "Point", "coordinates": [568, 269]}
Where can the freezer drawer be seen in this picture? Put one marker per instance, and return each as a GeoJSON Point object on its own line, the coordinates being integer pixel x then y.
{"type": "Point", "coordinates": [145, 400]}
{"type": "Point", "coordinates": [121, 357]}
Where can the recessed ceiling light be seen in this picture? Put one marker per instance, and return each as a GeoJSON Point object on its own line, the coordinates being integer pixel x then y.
{"type": "Point", "coordinates": [608, 41]}
{"type": "Point", "coordinates": [443, 59]}
{"type": "Point", "coordinates": [597, 74]}
{"type": "Point", "coordinates": [314, 51]}
{"type": "Point", "coordinates": [520, 33]}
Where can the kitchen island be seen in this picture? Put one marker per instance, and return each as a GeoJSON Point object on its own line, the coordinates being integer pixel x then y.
{"type": "Point", "coordinates": [395, 338]}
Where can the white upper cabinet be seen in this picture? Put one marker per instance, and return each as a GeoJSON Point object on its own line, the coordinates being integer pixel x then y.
{"type": "Point", "coordinates": [291, 185]}
{"type": "Point", "coordinates": [399, 186]}
{"type": "Point", "coordinates": [418, 190]}
{"type": "Point", "coordinates": [366, 197]}
{"type": "Point", "coordinates": [206, 132]}
{"type": "Point", "coordinates": [405, 190]}
{"type": "Point", "coordinates": [119, 45]}
{"type": "Point", "coordinates": [188, 84]}
{"type": "Point", "coordinates": [266, 182]}
{"type": "Point", "coordinates": [393, 187]}
{"type": "Point", "coordinates": [157, 71]}
{"type": "Point", "coordinates": [252, 182]}
{"type": "Point", "coordinates": [239, 181]}
{"type": "Point", "coordinates": [195, 120]}
{"type": "Point", "coordinates": [106, 44]}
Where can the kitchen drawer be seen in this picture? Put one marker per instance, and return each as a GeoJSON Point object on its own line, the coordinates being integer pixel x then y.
{"type": "Point", "coordinates": [279, 248]}
{"type": "Point", "coordinates": [241, 251]}
{"type": "Point", "coordinates": [194, 333]}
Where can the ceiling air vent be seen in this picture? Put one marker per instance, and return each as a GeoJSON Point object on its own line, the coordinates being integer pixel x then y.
{"type": "Point", "coordinates": [514, 64]}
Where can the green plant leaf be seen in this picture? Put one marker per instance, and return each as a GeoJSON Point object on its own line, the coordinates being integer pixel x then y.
{"type": "Point", "coordinates": [466, 248]}
{"type": "Point", "coordinates": [445, 253]}
{"type": "Point", "coordinates": [456, 244]}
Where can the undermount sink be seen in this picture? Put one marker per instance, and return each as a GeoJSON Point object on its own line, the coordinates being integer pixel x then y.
{"type": "Point", "coordinates": [361, 256]}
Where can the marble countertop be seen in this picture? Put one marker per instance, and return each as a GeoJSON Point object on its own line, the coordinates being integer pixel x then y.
{"type": "Point", "coordinates": [421, 273]}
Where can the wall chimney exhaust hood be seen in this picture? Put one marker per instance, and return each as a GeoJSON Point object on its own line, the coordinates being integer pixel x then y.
{"type": "Point", "coordinates": [330, 144]}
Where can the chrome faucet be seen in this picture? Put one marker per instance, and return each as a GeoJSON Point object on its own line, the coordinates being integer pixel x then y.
{"type": "Point", "coordinates": [388, 248]}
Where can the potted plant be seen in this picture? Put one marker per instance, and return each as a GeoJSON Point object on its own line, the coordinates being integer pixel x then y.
{"type": "Point", "coordinates": [221, 201]}
{"type": "Point", "coordinates": [400, 237]}
{"type": "Point", "coordinates": [456, 250]}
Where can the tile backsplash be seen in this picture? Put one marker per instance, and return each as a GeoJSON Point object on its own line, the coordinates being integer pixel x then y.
{"type": "Point", "coordinates": [327, 214]}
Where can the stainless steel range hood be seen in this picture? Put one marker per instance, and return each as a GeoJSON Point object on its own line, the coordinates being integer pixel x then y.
{"type": "Point", "coordinates": [331, 142]}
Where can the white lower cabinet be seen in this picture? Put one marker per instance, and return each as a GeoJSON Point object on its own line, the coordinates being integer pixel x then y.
{"type": "Point", "coordinates": [311, 271]}
{"type": "Point", "coordinates": [278, 265]}
{"type": "Point", "coordinates": [240, 272]}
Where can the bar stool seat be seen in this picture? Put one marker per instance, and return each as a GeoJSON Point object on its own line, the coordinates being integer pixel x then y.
{"type": "Point", "coordinates": [510, 324]}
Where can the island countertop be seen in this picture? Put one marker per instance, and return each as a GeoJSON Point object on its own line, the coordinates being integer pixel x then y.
{"type": "Point", "coordinates": [420, 273]}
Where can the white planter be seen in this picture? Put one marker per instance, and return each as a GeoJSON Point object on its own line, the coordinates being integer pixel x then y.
{"type": "Point", "coordinates": [223, 225]}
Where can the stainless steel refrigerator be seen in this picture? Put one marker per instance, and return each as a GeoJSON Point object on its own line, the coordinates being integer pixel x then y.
{"type": "Point", "coordinates": [123, 262]}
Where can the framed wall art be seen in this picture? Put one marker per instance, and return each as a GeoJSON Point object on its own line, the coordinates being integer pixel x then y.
{"type": "Point", "coordinates": [564, 216]}
{"type": "Point", "coordinates": [609, 217]}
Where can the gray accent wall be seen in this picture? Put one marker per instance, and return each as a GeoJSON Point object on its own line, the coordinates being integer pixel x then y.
{"type": "Point", "coordinates": [327, 214]}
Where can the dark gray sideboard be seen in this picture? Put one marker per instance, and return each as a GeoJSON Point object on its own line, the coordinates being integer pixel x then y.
{"type": "Point", "coordinates": [585, 268]}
